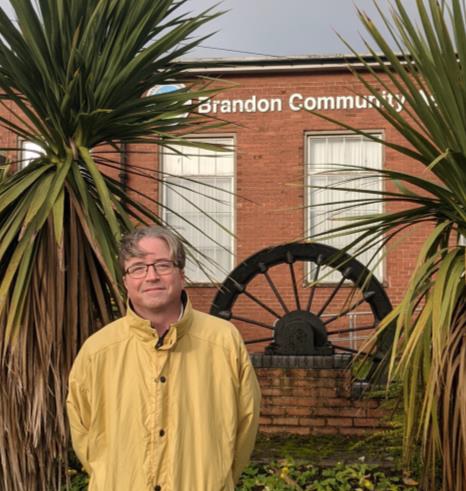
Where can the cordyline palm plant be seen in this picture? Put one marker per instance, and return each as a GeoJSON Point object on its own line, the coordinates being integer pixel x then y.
{"type": "Point", "coordinates": [73, 78]}
{"type": "Point", "coordinates": [427, 68]}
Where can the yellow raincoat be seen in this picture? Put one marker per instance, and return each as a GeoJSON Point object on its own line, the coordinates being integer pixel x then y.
{"type": "Point", "coordinates": [178, 417]}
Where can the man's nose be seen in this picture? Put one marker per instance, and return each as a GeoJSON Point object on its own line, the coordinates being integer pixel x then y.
{"type": "Point", "coordinates": [152, 273]}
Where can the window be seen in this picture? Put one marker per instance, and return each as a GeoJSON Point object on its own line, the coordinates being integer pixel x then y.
{"type": "Point", "coordinates": [198, 200]}
{"type": "Point", "coordinates": [29, 152]}
{"type": "Point", "coordinates": [324, 153]}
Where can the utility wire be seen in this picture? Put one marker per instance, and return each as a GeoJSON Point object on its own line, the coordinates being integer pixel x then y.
{"type": "Point", "coordinates": [238, 51]}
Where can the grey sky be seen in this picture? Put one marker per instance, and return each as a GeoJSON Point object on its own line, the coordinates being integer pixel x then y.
{"type": "Point", "coordinates": [282, 27]}
{"type": "Point", "coordinates": [287, 27]}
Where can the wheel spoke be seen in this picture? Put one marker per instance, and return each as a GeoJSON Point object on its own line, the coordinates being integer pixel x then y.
{"type": "Point", "coordinates": [332, 295]}
{"type": "Point", "coordinates": [295, 286]}
{"type": "Point", "coordinates": [355, 329]}
{"type": "Point", "coordinates": [273, 287]}
{"type": "Point", "coordinates": [349, 309]}
{"type": "Point", "coordinates": [261, 340]}
{"type": "Point", "coordinates": [314, 281]}
{"type": "Point", "coordinates": [376, 356]}
{"type": "Point", "coordinates": [278, 300]}
{"type": "Point", "coordinates": [262, 304]}
{"type": "Point", "coordinates": [252, 321]}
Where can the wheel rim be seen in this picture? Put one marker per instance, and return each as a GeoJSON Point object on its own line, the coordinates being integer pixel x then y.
{"type": "Point", "coordinates": [302, 306]}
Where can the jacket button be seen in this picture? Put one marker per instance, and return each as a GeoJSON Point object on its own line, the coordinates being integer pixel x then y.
{"type": "Point", "coordinates": [157, 488]}
{"type": "Point", "coordinates": [161, 432]}
{"type": "Point", "coordinates": [163, 379]}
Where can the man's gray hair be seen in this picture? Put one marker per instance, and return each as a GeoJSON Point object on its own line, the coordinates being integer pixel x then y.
{"type": "Point", "coordinates": [129, 246]}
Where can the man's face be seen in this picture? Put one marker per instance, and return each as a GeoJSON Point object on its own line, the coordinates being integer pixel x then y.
{"type": "Point", "coordinates": [154, 293]}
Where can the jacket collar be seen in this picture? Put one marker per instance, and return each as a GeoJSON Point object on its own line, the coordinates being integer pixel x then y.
{"type": "Point", "coordinates": [142, 329]}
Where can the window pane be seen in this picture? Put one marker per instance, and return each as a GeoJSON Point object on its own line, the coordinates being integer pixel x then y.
{"type": "Point", "coordinates": [327, 210]}
{"type": "Point", "coordinates": [201, 207]}
{"type": "Point", "coordinates": [29, 152]}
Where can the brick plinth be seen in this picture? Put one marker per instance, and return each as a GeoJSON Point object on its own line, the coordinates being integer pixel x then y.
{"type": "Point", "coordinates": [313, 395]}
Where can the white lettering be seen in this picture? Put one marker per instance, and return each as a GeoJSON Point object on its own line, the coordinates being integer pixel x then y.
{"type": "Point", "coordinates": [310, 103]}
{"type": "Point", "coordinates": [361, 102]}
{"type": "Point", "coordinates": [325, 103]}
{"type": "Point", "coordinates": [291, 102]}
{"type": "Point", "coordinates": [263, 105]}
{"type": "Point", "coordinates": [276, 105]}
{"type": "Point", "coordinates": [388, 98]}
{"type": "Point", "coordinates": [428, 98]}
{"type": "Point", "coordinates": [373, 101]}
{"type": "Point", "coordinates": [400, 102]}
{"type": "Point", "coordinates": [299, 102]}
{"type": "Point", "coordinates": [204, 106]}
{"type": "Point", "coordinates": [237, 106]}
{"type": "Point", "coordinates": [225, 106]}
{"type": "Point", "coordinates": [215, 104]}
{"type": "Point", "coordinates": [250, 105]}
{"type": "Point", "coordinates": [345, 102]}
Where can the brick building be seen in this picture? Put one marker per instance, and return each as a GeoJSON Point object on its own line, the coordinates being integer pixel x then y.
{"type": "Point", "coordinates": [279, 150]}
{"type": "Point", "coordinates": [259, 194]}
{"type": "Point", "coordinates": [261, 188]}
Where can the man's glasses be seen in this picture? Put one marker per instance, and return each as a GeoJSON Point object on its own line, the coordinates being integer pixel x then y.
{"type": "Point", "coordinates": [160, 267]}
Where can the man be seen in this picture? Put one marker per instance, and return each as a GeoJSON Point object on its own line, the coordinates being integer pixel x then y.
{"type": "Point", "coordinates": [165, 398]}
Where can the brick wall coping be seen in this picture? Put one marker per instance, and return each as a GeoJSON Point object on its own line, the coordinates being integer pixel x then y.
{"type": "Point", "coordinates": [337, 361]}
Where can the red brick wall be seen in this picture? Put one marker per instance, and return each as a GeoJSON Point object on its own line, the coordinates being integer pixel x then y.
{"type": "Point", "coordinates": [270, 167]}
{"type": "Point", "coordinates": [315, 401]}
{"type": "Point", "coordinates": [269, 210]}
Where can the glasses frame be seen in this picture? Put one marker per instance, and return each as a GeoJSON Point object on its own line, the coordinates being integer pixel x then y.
{"type": "Point", "coordinates": [153, 265]}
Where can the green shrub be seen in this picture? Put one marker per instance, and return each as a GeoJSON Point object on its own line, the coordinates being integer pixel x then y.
{"type": "Point", "coordinates": [290, 476]}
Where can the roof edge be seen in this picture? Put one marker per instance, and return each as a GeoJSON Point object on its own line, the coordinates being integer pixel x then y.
{"type": "Point", "coordinates": [280, 63]}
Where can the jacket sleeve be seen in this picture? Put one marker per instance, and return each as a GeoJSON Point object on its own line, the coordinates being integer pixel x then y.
{"type": "Point", "coordinates": [248, 413]}
{"type": "Point", "coordinates": [78, 409]}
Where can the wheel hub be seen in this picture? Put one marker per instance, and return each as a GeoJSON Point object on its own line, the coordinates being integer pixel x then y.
{"type": "Point", "coordinates": [301, 333]}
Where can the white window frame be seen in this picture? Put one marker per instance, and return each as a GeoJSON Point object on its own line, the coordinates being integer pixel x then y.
{"type": "Point", "coordinates": [28, 151]}
{"type": "Point", "coordinates": [227, 268]}
{"type": "Point", "coordinates": [379, 268]}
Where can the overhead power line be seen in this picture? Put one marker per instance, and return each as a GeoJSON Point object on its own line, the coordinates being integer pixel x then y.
{"type": "Point", "coordinates": [239, 51]}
